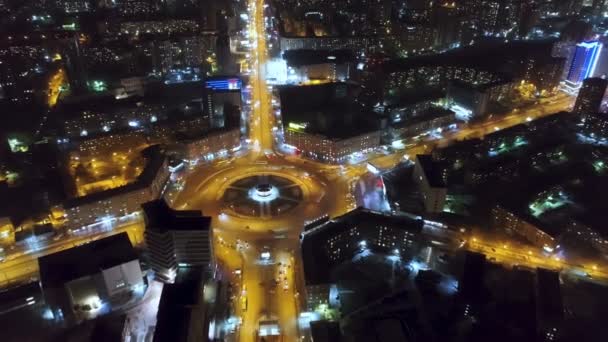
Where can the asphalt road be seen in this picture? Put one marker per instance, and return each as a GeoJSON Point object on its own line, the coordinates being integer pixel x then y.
{"type": "Point", "coordinates": [270, 286]}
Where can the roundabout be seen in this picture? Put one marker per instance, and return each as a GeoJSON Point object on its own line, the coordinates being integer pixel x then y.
{"type": "Point", "coordinates": [245, 197]}
{"type": "Point", "coordinates": [264, 195]}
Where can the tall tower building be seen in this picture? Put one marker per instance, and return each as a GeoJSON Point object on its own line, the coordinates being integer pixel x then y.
{"type": "Point", "coordinates": [176, 238]}
{"type": "Point", "coordinates": [445, 20]}
{"type": "Point", "coordinates": [590, 96]}
{"type": "Point", "coordinates": [584, 62]}
{"type": "Point", "coordinates": [76, 69]}
{"type": "Point", "coordinates": [222, 101]}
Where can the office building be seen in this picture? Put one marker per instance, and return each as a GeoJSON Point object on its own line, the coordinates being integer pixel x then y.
{"type": "Point", "coordinates": [92, 279]}
{"type": "Point", "coordinates": [431, 177]}
{"type": "Point", "coordinates": [176, 238]}
{"type": "Point", "coordinates": [590, 96]}
{"type": "Point", "coordinates": [222, 101]}
{"type": "Point", "coordinates": [586, 56]}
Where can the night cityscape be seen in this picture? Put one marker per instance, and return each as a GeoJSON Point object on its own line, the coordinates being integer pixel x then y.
{"type": "Point", "coordinates": [303, 170]}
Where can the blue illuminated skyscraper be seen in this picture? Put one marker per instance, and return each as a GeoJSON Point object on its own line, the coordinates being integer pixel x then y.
{"type": "Point", "coordinates": [584, 62]}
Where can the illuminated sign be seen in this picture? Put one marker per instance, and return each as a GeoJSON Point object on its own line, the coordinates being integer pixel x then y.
{"type": "Point", "coordinates": [296, 126]}
{"type": "Point", "coordinates": [224, 84]}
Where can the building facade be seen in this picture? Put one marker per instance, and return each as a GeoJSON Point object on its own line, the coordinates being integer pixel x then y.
{"type": "Point", "coordinates": [514, 224]}
{"type": "Point", "coordinates": [431, 178]}
{"type": "Point", "coordinates": [328, 243]}
{"type": "Point", "coordinates": [107, 206]}
{"type": "Point", "coordinates": [93, 279]}
{"type": "Point", "coordinates": [176, 238]}
{"type": "Point", "coordinates": [590, 96]}
{"type": "Point", "coordinates": [331, 150]}
{"type": "Point", "coordinates": [584, 62]}
{"type": "Point", "coordinates": [217, 142]}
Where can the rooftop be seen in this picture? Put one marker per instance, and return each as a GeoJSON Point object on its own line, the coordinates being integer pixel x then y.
{"type": "Point", "coordinates": [155, 158]}
{"type": "Point", "coordinates": [328, 109]}
{"type": "Point", "coordinates": [58, 268]}
{"type": "Point", "coordinates": [160, 217]}
{"type": "Point", "coordinates": [412, 97]}
{"type": "Point", "coordinates": [472, 278]}
{"type": "Point", "coordinates": [433, 170]}
{"type": "Point", "coordinates": [316, 268]}
{"type": "Point", "coordinates": [175, 309]}
{"type": "Point", "coordinates": [308, 57]}
{"type": "Point", "coordinates": [549, 296]}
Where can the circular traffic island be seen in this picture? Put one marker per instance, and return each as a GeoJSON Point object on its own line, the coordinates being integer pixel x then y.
{"type": "Point", "coordinates": [264, 195]}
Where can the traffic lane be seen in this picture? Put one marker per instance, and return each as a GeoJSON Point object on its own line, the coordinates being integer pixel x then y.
{"type": "Point", "coordinates": [24, 267]}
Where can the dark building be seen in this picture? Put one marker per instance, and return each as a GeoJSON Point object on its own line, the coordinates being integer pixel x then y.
{"type": "Point", "coordinates": [445, 20]}
{"type": "Point", "coordinates": [431, 178]}
{"type": "Point", "coordinates": [325, 331]}
{"type": "Point", "coordinates": [471, 285]}
{"type": "Point", "coordinates": [595, 125]}
{"type": "Point", "coordinates": [549, 304]}
{"type": "Point", "coordinates": [222, 101]}
{"type": "Point", "coordinates": [75, 66]}
{"type": "Point", "coordinates": [328, 243]}
{"type": "Point", "coordinates": [181, 312]}
{"type": "Point", "coordinates": [590, 96]}
{"type": "Point", "coordinates": [176, 238]}
{"type": "Point", "coordinates": [92, 279]}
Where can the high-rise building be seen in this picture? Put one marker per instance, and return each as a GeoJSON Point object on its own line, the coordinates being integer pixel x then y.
{"type": "Point", "coordinates": [590, 95]}
{"type": "Point", "coordinates": [75, 66]}
{"type": "Point", "coordinates": [176, 238]}
{"type": "Point", "coordinates": [445, 20]}
{"type": "Point", "coordinates": [222, 101]}
{"type": "Point", "coordinates": [584, 62]}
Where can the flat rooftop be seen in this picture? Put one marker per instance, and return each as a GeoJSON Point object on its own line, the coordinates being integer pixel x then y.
{"type": "Point", "coordinates": [432, 169]}
{"type": "Point", "coordinates": [303, 57]}
{"type": "Point", "coordinates": [326, 109]}
{"type": "Point", "coordinates": [317, 267]}
{"type": "Point", "coordinates": [160, 217]}
{"type": "Point", "coordinates": [155, 159]}
{"type": "Point", "coordinates": [58, 268]}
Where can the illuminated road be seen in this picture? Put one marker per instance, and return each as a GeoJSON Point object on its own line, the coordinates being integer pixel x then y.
{"type": "Point", "coordinates": [512, 254]}
{"type": "Point", "coordinates": [22, 264]}
{"type": "Point", "coordinates": [261, 118]}
{"type": "Point", "coordinates": [269, 287]}
{"type": "Point", "coordinates": [552, 105]}
{"type": "Point", "coordinates": [54, 89]}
